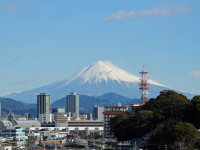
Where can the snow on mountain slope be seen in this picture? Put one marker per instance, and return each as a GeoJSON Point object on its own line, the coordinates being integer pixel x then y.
{"type": "Point", "coordinates": [104, 71]}
{"type": "Point", "coordinates": [96, 79]}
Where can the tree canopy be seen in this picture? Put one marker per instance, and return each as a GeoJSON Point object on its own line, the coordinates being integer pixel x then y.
{"type": "Point", "coordinates": [170, 118]}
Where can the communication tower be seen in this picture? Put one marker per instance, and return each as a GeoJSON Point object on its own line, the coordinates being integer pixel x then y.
{"type": "Point", "coordinates": [144, 86]}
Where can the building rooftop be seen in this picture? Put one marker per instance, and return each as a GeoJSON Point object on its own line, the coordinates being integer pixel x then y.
{"type": "Point", "coordinates": [43, 94]}
{"type": "Point", "coordinates": [112, 113]}
{"type": "Point", "coordinates": [21, 123]}
{"type": "Point", "coordinates": [116, 106]}
{"type": "Point", "coordinates": [135, 104]}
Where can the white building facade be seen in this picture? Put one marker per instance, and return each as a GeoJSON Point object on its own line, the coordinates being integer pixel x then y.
{"type": "Point", "coordinates": [111, 111]}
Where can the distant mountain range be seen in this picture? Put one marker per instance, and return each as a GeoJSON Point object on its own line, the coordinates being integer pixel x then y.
{"type": "Point", "coordinates": [86, 103]}
{"type": "Point", "coordinates": [96, 79]}
{"type": "Point", "coordinates": [17, 107]}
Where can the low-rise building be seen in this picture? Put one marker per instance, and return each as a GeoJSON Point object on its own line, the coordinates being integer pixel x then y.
{"type": "Point", "coordinates": [5, 147]}
{"type": "Point", "coordinates": [111, 111]}
{"type": "Point", "coordinates": [74, 126]}
{"type": "Point", "coordinates": [83, 116]}
{"type": "Point", "coordinates": [61, 117]}
{"type": "Point", "coordinates": [98, 112]}
{"type": "Point", "coordinates": [17, 134]}
{"type": "Point", "coordinates": [134, 108]}
{"type": "Point", "coordinates": [26, 124]}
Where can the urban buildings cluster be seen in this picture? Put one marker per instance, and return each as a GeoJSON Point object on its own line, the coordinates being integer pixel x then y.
{"type": "Point", "coordinates": [54, 125]}
{"type": "Point", "coordinates": [59, 116]}
{"type": "Point", "coordinates": [66, 125]}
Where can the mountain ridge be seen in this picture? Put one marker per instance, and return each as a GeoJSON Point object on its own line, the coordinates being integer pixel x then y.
{"type": "Point", "coordinates": [96, 79]}
{"type": "Point", "coordinates": [104, 71]}
{"type": "Point", "coordinates": [17, 107]}
{"type": "Point", "coordinates": [86, 102]}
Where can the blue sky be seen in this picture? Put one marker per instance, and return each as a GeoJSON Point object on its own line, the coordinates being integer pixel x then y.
{"type": "Point", "coordinates": [46, 41]}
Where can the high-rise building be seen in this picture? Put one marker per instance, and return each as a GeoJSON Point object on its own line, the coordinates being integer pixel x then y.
{"type": "Point", "coordinates": [72, 104]}
{"type": "Point", "coordinates": [44, 107]}
{"type": "Point", "coordinates": [98, 112]}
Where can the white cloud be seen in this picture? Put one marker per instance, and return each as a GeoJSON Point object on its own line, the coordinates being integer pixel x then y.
{"type": "Point", "coordinates": [195, 73]}
{"type": "Point", "coordinates": [10, 7]}
{"type": "Point", "coordinates": [13, 6]}
{"type": "Point", "coordinates": [122, 15]}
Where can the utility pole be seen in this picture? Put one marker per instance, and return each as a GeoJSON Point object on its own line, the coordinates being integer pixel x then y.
{"type": "Point", "coordinates": [55, 146]}
{"type": "Point", "coordinates": [135, 146]}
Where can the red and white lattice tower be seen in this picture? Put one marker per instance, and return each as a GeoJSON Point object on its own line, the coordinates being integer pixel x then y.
{"type": "Point", "coordinates": [144, 86]}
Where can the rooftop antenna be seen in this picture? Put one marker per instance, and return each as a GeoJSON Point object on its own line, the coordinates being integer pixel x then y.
{"type": "Point", "coordinates": [119, 104]}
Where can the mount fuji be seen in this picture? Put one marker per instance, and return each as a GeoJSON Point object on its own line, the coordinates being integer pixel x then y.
{"type": "Point", "coordinates": [96, 79]}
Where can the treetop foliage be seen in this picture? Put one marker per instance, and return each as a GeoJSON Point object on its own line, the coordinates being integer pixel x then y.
{"type": "Point", "coordinates": [170, 118]}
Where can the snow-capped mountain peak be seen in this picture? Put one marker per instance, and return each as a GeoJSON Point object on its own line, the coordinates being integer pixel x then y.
{"type": "Point", "coordinates": [96, 79]}
{"type": "Point", "coordinates": [105, 71]}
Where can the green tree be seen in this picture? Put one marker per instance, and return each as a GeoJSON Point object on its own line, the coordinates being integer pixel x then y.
{"type": "Point", "coordinates": [169, 118]}
{"type": "Point", "coordinates": [120, 126]}
{"type": "Point", "coordinates": [124, 127]}
{"type": "Point", "coordinates": [192, 113]}
{"type": "Point", "coordinates": [185, 133]}
{"type": "Point", "coordinates": [196, 100]}
{"type": "Point", "coordinates": [169, 104]}
{"type": "Point", "coordinates": [174, 133]}
{"type": "Point", "coordinates": [141, 123]}
{"type": "Point", "coordinates": [161, 135]}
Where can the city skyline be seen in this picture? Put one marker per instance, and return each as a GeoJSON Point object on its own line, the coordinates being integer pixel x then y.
{"type": "Point", "coordinates": [40, 41]}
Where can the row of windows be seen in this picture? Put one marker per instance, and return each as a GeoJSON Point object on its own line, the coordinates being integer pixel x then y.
{"type": "Point", "coordinates": [109, 115]}
{"type": "Point", "coordinates": [115, 109]}
{"type": "Point", "coordinates": [86, 129]}
{"type": "Point", "coordinates": [106, 127]}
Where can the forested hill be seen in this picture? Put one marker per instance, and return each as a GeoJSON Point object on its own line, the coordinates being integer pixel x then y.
{"type": "Point", "coordinates": [17, 107]}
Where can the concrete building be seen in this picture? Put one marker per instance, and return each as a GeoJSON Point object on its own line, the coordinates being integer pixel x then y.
{"type": "Point", "coordinates": [11, 123]}
{"type": "Point", "coordinates": [98, 112]}
{"type": "Point", "coordinates": [24, 116]}
{"type": "Point", "coordinates": [85, 116]}
{"type": "Point", "coordinates": [134, 108]}
{"type": "Point", "coordinates": [0, 109]}
{"type": "Point", "coordinates": [74, 126]}
{"type": "Point", "coordinates": [17, 134]}
{"type": "Point", "coordinates": [58, 110]}
{"type": "Point", "coordinates": [72, 105]}
{"type": "Point", "coordinates": [111, 111]}
{"type": "Point", "coordinates": [44, 108]}
{"type": "Point", "coordinates": [61, 117]}
{"type": "Point", "coordinates": [26, 124]}
{"type": "Point", "coordinates": [61, 110]}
